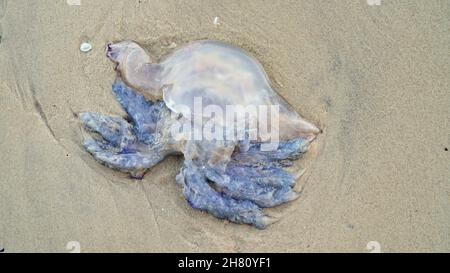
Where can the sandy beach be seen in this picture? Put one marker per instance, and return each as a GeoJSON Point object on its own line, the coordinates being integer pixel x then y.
{"type": "Point", "coordinates": [375, 78]}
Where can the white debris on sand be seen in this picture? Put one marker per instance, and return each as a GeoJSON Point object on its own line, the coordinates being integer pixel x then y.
{"type": "Point", "coordinates": [85, 47]}
{"type": "Point", "coordinates": [172, 46]}
{"type": "Point", "coordinates": [216, 21]}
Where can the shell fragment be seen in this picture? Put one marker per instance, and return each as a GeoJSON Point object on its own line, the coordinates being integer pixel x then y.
{"type": "Point", "coordinates": [85, 47]}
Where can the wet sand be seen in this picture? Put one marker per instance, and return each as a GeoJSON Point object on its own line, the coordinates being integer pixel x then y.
{"type": "Point", "coordinates": [374, 78]}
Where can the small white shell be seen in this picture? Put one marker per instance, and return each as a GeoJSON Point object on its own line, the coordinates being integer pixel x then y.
{"type": "Point", "coordinates": [85, 47]}
{"type": "Point", "coordinates": [216, 21]}
{"type": "Point", "coordinates": [172, 46]}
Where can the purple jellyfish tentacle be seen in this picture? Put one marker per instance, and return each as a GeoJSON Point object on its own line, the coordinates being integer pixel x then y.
{"type": "Point", "coordinates": [266, 189]}
{"type": "Point", "coordinates": [112, 142]}
{"type": "Point", "coordinates": [200, 195]}
{"type": "Point", "coordinates": [286, 153]}
{"type": "Point", "coordinates": [144, 114]}
{"type": "Point", "coordinates": [113, 129]}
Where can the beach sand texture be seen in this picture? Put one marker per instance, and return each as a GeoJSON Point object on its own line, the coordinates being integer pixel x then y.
{"type": "Point", "coordinates": [375, 78]}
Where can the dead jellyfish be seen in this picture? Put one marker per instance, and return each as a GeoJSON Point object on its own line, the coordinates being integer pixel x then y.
{"type": "Point", "coordinates": [229, 177]}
